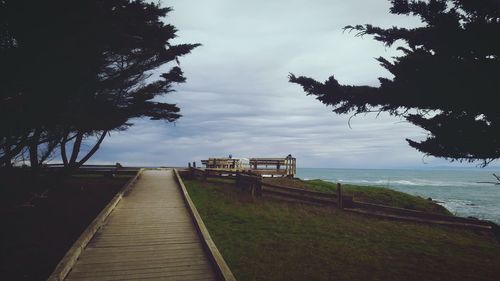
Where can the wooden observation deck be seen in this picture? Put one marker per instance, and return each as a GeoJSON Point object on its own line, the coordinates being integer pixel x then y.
{"type": "Point", "coordinates": [274, 166]}
{"type": "Point", "coordinates": [222, 163]}
{"type": "Point", "coordinates": [284, 167]}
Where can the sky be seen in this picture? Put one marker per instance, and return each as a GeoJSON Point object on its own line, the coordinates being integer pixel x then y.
{"type": "Point", "coordinates": [237, 99]}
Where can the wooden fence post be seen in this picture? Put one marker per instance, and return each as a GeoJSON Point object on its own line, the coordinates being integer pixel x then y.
{"type": "Point", "coordinates": [258, 186]}
{"type": "Point", "coordinates": [252, 189]}
{"type": "Point", "coordinates": [339, 196]}
{"type": "Point", "coordinates": [249, 183]}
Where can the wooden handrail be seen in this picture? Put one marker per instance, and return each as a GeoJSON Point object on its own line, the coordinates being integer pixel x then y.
{"type": "Point", "coordinates": [222, 269]}
{"type": "Point", "coordinates": [302, 191]}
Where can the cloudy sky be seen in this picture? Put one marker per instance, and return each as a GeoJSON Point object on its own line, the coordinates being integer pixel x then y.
{"type": "Point", "coordinates": [237, 99]}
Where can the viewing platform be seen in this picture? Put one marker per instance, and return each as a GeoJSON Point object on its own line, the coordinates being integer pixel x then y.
{"type": "Point", "coordinates": [280, 167]}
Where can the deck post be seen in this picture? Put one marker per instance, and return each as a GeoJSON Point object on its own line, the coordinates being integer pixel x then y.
{"type": "Point", "coordinates": [339, 196]}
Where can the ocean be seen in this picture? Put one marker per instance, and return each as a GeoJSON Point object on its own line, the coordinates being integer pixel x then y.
{"type": "Point", "coordinates": [459, 190]}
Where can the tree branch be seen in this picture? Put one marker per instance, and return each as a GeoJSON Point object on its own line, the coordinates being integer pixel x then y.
{"type": "Point", "coordinates": [498, 178]}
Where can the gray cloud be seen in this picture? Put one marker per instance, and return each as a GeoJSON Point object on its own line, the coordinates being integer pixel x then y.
{"type": "Point", "coordinates": [238, 99]}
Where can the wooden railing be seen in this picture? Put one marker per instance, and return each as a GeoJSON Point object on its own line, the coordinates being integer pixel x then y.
{"type": "Point", "coordinates": [222, 163]}
{"type": "Point", "coordinates": [213, 173]}
{"type": "Point", "coordinates": [253, 182]}
{"type": "Point", "coordinates": [415, 213]}
{"type": "Point", "coordinates": [94, 169]}
{"type": "Point", "coordinates": [222, 269]}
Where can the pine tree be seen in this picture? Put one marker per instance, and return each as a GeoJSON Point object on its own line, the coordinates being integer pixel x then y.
{"type": "Point", "coordinates": [73, 70]}
{"type": "Point", "coordinates": [446, 81]}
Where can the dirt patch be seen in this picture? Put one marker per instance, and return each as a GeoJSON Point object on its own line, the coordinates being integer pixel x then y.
{"type": "Point", "coordinates": [42, 215]}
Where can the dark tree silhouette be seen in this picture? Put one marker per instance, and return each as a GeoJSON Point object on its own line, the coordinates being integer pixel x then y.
{"type": "Point", "coordinates": [75, 70]}
{"type": "Point", "coordinates": [446, 81]}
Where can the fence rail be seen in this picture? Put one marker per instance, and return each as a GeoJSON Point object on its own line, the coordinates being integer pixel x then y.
{"type": "Point", "coordinates": [94, 169]}
{"type": "Point", "coordinates": [248, 180]}
{"type": "Point", "coordinates": [418, 214]}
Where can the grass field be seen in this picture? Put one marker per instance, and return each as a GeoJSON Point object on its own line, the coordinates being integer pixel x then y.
{"type": "Point", "coordinates": [267, 239]}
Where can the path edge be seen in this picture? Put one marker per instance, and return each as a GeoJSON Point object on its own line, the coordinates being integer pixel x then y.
{"type": "Point", "coordinates": [222, 269]}
{"type": "Point", "coordinates": [68, 261]}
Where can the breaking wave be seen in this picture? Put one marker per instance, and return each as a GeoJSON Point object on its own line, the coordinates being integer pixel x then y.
{"type": "Point", "coordinates": [412, 182]}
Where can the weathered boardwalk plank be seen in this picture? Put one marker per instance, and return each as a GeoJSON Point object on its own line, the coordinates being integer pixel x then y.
{"type": "Point", "coordinates": [148, 236]}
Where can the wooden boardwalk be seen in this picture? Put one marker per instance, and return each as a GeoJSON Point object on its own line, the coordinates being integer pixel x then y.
{"type": "Point", "coordinates": [148, 236]}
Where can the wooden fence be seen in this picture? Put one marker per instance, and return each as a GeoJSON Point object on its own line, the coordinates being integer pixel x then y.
{"type": "Point", "coordinates": [253, 183]}
{"type": "Point", "coordinates": [212, 173]}
{"type": "Point", "coordinates": [418, 214]}
{"type": "Point", "coordinates": [107, 170]}
{"type": "Point", "coordinates": [257, 187]}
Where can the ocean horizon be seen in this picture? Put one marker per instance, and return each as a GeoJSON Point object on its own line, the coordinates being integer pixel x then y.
{"type": "Point", "coordinates": [462, 191]}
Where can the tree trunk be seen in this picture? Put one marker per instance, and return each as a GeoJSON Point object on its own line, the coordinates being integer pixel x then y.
{"type": "Point", "coordinates": [7, 143]}
{"type": "Point", "coordinates": [63, 150]}
{"type": "Point", "coordinates": [497, 177]}
{"type": "Point", "coordinates": [76, 149]}
{"type": "Point", "coordinates": [51, 146]}
{"type": "Point", "coordinates": [5, 160]}
{"type": "Point", "coordinates": [33, 149]}
{"type": "Point", "coordinates": [93, 150]}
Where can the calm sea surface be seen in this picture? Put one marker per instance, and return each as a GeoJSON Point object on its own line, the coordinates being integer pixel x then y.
{"type": "Point", "coordinates": [458, 190]}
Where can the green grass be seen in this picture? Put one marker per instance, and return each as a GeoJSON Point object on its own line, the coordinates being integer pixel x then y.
{"type": "Point", "coordinates": [380, 195]}
{"type": "Point", "coordinates": [269, 239]}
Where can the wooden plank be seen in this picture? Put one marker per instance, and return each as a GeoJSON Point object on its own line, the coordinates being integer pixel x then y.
{"type": "Point", "coordinates": [115, 269]}
{"type": "Point", "coordinates": [147, 232]}
{"type": "Point", "coordinates": [147, 236]}
{"type": "Point", "coordinates": [138, 241]}
{"type": "Point", "coordinates": [141, 257]}
{"type": "Point", "coordinates": [93, 265]}
{"type": "Point", "coordinates": [173, 270]}
{"type": "Point", "coordinates": [158, 276]}
{"type": "Point", "coordinates": [133, 239]}
{"type": "Point", "coordinates": [159, 257]}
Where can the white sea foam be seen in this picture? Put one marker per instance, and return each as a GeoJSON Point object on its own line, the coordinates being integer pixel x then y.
{"type": "Point", "coordinates": [412, 182]}
{"type": "Point", "coordinates": [464, 208]}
